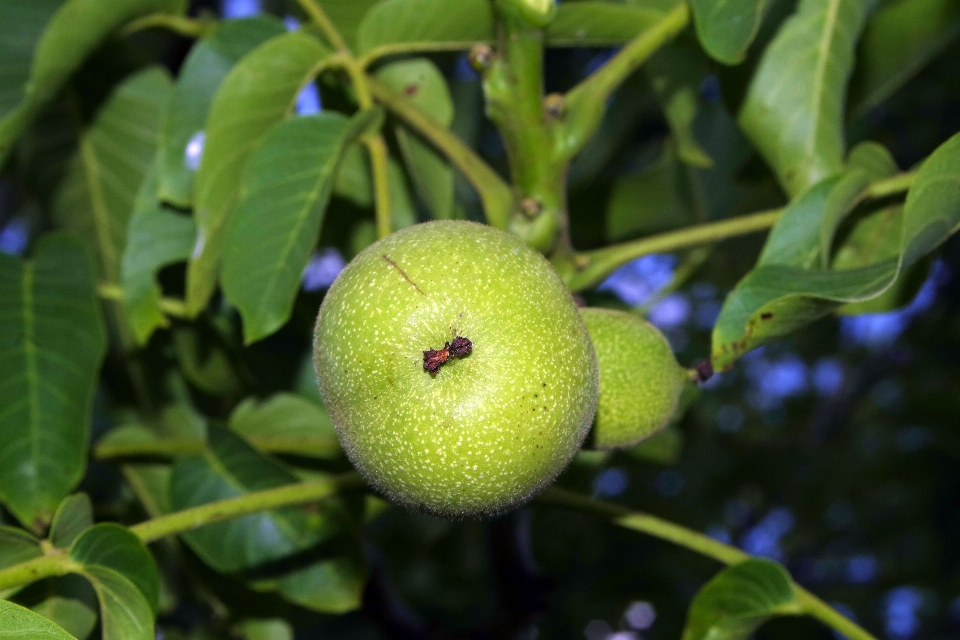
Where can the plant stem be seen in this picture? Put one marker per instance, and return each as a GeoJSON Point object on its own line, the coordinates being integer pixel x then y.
{"type": "Point", "coordinates": [495, 193]}
{"type": "Point", "coordinates": [265, 500]}
{"type": "Point", "coordinates": [181, 25]}
{"type": "Point", "coordinates": [594, 266]}
{"type": "Point", "coordinates": [170, 306]}
{"type": "Point", "coordinates": [330, 31]}
{"type": "Point", "coordinates": [891, 186]}
{"type": "Point", "coordinates": [377, 149]}
{"type": "Point", "coordinates": [684, 537]}
{"type": "Point", "coordinates": [55, 564]}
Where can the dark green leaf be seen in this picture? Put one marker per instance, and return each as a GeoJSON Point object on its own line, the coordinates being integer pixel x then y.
{"type": "Point", "coordinates": [783, 293]}
{"type": "Point", "coordinates": [124, 611]}
{"type": "Point", "coordinates": [655, 199]}
{"type": "Point", "coordinates": [21, 25]}
{"type": "Point", "coordinates": [72, 34]}
{"type": "Point", "coordinates": [346, 16]}
{"type": "Point", "coordinates": [115, 154]}
{"type": "Point", "coordinates": [329, 586]}
{"type": "Point", "coordinates": [664, 447]}
{"type": "Point", "coordinates": [205, 363]}
{"type": "Point", "coordinates": [726, 29]}
{"type": "Point", "coordinates": [209, 62]}
{"type": "Point", "coordinates": [52, 340]}
{"type": "Point", "coordinates": [424, 25]}
{"type": "Point", "coordinates": [73, 515]}
{"type": "Point", "coordinates": [353, 180]}
{"type": "Point", "coordinates": [259, 92]}
{"type": "Point", "coordinates": [423, 84]}
{"type": "Point", "coordinates": [277, 220]}
{"type": "Point", "coordinates": [156, 237]}
{"type": "Point", "coordinates": [73, 615]}
{"type": "Point", "coordinates": [287, 424]}
{"type": "Point", "coordinates": [233, 468]}
{"type": "Point", "coordinates": [899, 40]}
{"type": "Point", "coordinates": [114, 547]}
{"type": "Point", "coordinates": [16, 546]}
{"type": "Point", "coordinates": [19, 623]}
{"type": "Point", "coordinates": [739, 599]}
{"type": "Point", "coordinates": [794, 107]}
{"type": "Point", "coordinates": [676, 75]}
{"type": "Point", "coordinates": [598, 24]}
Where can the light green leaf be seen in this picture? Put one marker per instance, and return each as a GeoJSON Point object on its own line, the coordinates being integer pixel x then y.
{"type": "Point", "coordinates": [346, 16]}
{"type": "Point", "coordinates": [599, 24]}
{"type": "Point", "coordinates": [19, 623]}
{"type": "Point", "coordinates": [72, 615]}
{"type": "Point", "coordinates": [739, 599]}
{"type": "Point", "coordinates": [272, 629]}
{"type": "Point", "coordinates": [233, 468]}
{"type": "Point", "coordinates": [99, 191]}
{"type": "Point", "coordinates": [285, 192]}
{"type": "Point", "coordinates": [16, 546]}
{"type": "Point", "coordinates": [124, 612]}
{"type": "Point", "coordinates": [424, 85]}
{"type": "Point", "coordinates": [259, 92]}
{"type": "Point", "coordinates": [74, 31]}
{"type": "Point", "coordinates": [727, 27]}
{"type": "Point", "coordinates": [209, 62]}
{"type": "Point", "coordinates": [676, 74]}
{"type": "Point", "coordinates": [783, 292]}
{"type": "Point", "coordinates": [74, 515]}
{"type": "Point", "coordinates": [287, 424]}
{"type": "Point", "coordinates": [156, 237]}
{"type": "Point", "coordinates": [112, 546]}
{"type": "Point", "coordinates": [333, 585]}
{"type": "Point", "coordinates": [52, 341]}
{"type": "Point", "coordinates": [424, 25]}
{"type": "Point", "coordinates": [793, 111]}
{"type": "Point", "coordinates": [900, 38]}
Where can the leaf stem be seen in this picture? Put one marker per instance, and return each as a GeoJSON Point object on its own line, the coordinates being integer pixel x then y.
{"type": "Point", "coordinates": [170, 306]}
{"type": "Point", "coordinates": [495, 193]}
{"type": "Point", "coordinates": [330, 31]}
{"type": "Point", "coordinates": [891, 186]}
{"type": "Point", "coordinates": [377, 149]}
{"type": "Point", "coordinates": [47, 566]}
{"type": "Point", "coordinates": [181, 25]}
{"type": "Point", "coordinates": [265, 500]}
{"type": "Point", "coordinates": [684, 537]}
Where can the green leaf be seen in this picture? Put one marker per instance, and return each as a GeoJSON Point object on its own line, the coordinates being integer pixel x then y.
{"type": "Point", "coordinates": [124, 611]}
{"type": "Point", "coordinates": [900, 38]}
{"type": "Point", "coordinates": [868, 163]}
{"type": "Point", "coordinates": [156, 237]}
{"type": "Point", "coordinates": [793, 111]}
{"type": "Point", "coordinates": [209, 62]}
{"type": "Point", "coordinates": [424, 25]}
{"type": "Point", "coordinates": [424, 85]}
{"type": "Point", "coordinates": [52, 341]}
{"type": "Point", "coordinates": [233, 468]}
{"type": "Point", "coordinates": [259, 92]}
{"type": "Point", "coordinates": [19, 623]}
{"type": "Point", "coordinates": [783, 292]}
{"type": "Point", "coordinates": [74, 515]}
{"type": "Point", "coordinates": [16, 546]}
{"type": "Point", "coordinates": [346, 16]}
{"type": "Point", "coordinates": [285, 192]}
{"type": "Point", "coordinates": [112, 546]}
{"type": "Point", "coordinates": [21, 25]}
{"type": "Point", "coordinates": [727, 28]}
{"type": "Point", "coordinates": [272, 629]}
{"type": "Point", "coordinates": [654, 199]}
{"type": "Point", "coordinates": [74, 31]}
{"type": "Point", "coordinates": [739, 599]}
{"type": "Point", "coordinates": [676, 74]}
{"type": "Point", "coordinates": [599, 24]}
{"type": "Point", "coordinates": [98, 195]}
{"type": "Point", "coordinates": [333, 585]}
{"type": "Point", "coordinates": [287, 424]}
{"type": "Point", "coordinates": [72, 615]}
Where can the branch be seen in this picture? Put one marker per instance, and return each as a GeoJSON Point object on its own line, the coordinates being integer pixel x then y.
{"type": "Point", "coordinates": [495, 193]}
{"type": "Point", "coordinates": [170, 306]}
{"type": "Point", "coordinates": [684, 537]}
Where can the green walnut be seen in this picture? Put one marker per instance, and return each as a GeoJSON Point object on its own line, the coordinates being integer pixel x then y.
{"type": "Point", "coordinates": [640, 380]}
{"type": "Point", "coordinates": [456, 368]}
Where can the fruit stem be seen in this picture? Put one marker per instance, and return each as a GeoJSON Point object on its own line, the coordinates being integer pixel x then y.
{"type": "Point", "coordinates": [684, 537]}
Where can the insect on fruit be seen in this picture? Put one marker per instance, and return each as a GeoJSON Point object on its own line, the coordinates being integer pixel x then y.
{"type": "Point", "coordinates": [433, 359]}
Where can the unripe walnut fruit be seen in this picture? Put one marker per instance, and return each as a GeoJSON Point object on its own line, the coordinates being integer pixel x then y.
{"type": "Point", "coordinates": [486, 427]}
{"type": "Point", "coordinates": [640, 380]}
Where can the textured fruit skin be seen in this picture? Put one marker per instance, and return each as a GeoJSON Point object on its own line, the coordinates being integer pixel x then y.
{"type": "Point", "coordinates": [640, 380]}
{"type": "Point", "coordinates": [491, 428]}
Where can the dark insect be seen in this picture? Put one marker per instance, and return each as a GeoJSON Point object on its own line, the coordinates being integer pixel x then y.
{"type": "Point", "coordinates": [433, 359]}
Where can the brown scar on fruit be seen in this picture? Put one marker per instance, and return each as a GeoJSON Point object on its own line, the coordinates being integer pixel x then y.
{"type": "Point", "coordinates": [433, 359]}
{"type": "Point", "coordinates": [766, 315]}
{"type": "Point", "coordinates": [403, 273]}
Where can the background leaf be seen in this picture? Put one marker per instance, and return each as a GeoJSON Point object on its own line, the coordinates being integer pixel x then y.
{"type": "Point", "coordinates": [124, 611]}
{"type": "Point", "coordinates": [425, 25]}
{"type": "Point", "coordinates": [52, 340]}
{"type": "Point", "coordinates": [258, 92]}
{"type": "Point", "coordinates": [71, 614]}
{"type": "Point", "coordinates": [285, 192]}
{"type": "Point", "coordinates": [74, 515]}
{"type": "Point", "coordinates": [116, 151]}
{"type": "Point", "coordinates": [676, 74]}
{"type": "Point", "coordinates": [72, 34]}
{"type": "Point", "coordinates": [793, 111]}
{"type": "Point", "coordinates": [739, 599]}
{"type": "Point", "coordinates": [726, 29]}
{"type": "Point", "coordinates": [16, 546]}
{"type": "Point", "coordinates": [209, 62]}
{"type": "Point", "coordinates": [20, 623]}
{"type": "Point", "coordinates": [114, 547]}
{"type": "Point", "coordinates": [346, 16]}
{"type": "Point", "coordinates": [424, 85]}
{"type": "Point", "coordinates": [21, 25]}
{"type": "Point", "coordinates": [286, 423]}
{"type": "Point", "coordinates": [598, 24]}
